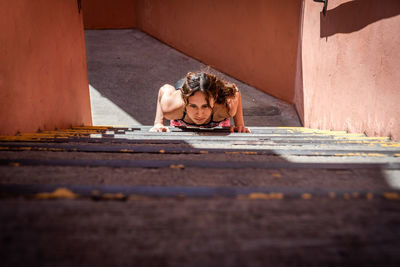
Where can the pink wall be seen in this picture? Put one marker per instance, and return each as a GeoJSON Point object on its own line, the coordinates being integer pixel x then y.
{"type": "Point", "coordinates": [350, 65]}
{"type": "Point", "coordinates": [253, 41]}
{"type": "Point", "coordinates": [109, 14]}
{"type": "Point", "coordinates": [43, 74]}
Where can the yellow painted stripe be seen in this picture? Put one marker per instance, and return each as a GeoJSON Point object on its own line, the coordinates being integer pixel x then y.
{"type": "Point", "coordinates": [391, 195]}
{"type": "Point", "coordinates": [177, 166]}
{"type": "Point", "coordinates": [113, 196]}
{"type": "Point", "coordinates": [58, 193]}
{"type": "Point", "coordinates": [93, 127]}
{"type": "Point", "coordinates": [347, 154]}
{"type": "Point", "coordinates": [350, 154]}
{"type": "Point", "coordinates": [391, 144]}
{"type": "Point", "coordinates": [265, 196]}
{"type": "Point", "coordinates": [306, 196]}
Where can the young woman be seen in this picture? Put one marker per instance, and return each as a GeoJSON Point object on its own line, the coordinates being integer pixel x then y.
{"type": "Point", "coordinates": [199, 100]}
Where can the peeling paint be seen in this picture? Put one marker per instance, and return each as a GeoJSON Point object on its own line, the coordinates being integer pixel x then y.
{"type": "Point", "coordinates": [58, 193]}
{"type": "Point", "coordinates": [53, 149]}
{"type": "Point", "coordinates": [391, 195]}
{"type": "Point", "coordinates": [249, 153]}
{"type": "Point", "coordinates": [373, 154]}
{"type": "Point", "coordinates": [350, 154]}
{"type": "Point", "coordinates": [137, 197]}
{"type": "Point", "coordinates": [126, 150]}
{"type": "Point", "coordinates": [113, 196]}
{"type": "Point", "coordinates": [91, 127]}
{"type": "Point", "coordinates": [271, 195]}
{"type": "Point", "coordinates": [177, 166]}
{"type": "Point", "coordinates": [391, 145]}
{"type": "Point", "coordinates": [347, 154]}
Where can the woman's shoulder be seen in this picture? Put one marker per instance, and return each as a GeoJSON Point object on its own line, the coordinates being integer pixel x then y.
{"type": "Point", "coordinates": [220, 112]}
{"type": "Point", "coordinates": [172, 103]}
{"type": "Point", "coordinates": [228, 108]}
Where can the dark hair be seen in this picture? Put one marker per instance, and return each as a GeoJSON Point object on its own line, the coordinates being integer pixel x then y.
{"type": "Point", "coordinates": [209, 84]}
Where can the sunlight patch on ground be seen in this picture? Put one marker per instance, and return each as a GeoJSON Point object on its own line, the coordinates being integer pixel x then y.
{"type": "Point", "coordinates": [393, 178]}
{"type": "Point", "coordinates": [105, 112]}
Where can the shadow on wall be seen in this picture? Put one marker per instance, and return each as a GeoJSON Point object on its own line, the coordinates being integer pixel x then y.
{"type": "Point", "coordinates": [355, 15]}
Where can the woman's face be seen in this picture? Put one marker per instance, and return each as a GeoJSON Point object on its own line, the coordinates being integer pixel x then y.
{"type": "Point", "coordinates": [197, 109]}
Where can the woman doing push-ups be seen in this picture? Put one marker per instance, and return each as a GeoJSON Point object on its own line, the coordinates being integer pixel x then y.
{"type": "Point", "coordinates": [199, 100]}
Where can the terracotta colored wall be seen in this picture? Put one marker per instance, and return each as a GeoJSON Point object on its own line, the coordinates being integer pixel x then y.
{"type": "Point", "coordinates": [350, 66]}
{"type": "Point", "coordinates": [109, 14]}
{"type": "Point", "coordinates": [253, 41]}
{"type": "Point", "coordinates": [43, 74]}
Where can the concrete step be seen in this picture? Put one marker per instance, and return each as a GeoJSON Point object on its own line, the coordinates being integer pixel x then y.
{"type": "Point", "coordinates": [269, 156]}
{"type": "Point", "coordinates": [285, 140]}
{"type": "Point", "coordinates": [265, 154]}
{"type": "Point", "coordinates": [172, 231]}
{"type": "Point", "coordinates": [281, 190]}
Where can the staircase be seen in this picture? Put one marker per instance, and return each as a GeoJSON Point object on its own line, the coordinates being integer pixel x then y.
{"type": "Point", "coordinates": [114, 195]}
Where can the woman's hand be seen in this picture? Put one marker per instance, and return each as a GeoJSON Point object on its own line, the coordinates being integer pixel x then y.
{"type": "Point", "coordinates": [240, 129]}
{"type": "Point", "coordinates": [159, 128]}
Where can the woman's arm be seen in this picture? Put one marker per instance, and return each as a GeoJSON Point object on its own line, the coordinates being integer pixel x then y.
{"type": "Point", "coordinates": [236, 111]}
{"type": "Point", "coordinates": [232, 108]}
{"type": "Point", "coordinates": [170, 106]}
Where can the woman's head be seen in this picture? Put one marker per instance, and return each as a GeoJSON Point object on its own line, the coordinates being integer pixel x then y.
{"type": "Point", "coordinates": [200, 91]}
{"type": "Point", "coordinates": [199, 82]}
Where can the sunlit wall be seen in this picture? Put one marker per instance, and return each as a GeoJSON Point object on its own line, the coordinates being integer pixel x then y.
{"type": "Point", "coordinates": [43, 73]}
{"type": "Point", "coordinates": [350, 64]}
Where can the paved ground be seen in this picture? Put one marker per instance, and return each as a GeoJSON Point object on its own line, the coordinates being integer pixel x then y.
{"type": "Point", "coordinates": [127, 67]}
{"type": "Point", "coordinates": [102, 196]}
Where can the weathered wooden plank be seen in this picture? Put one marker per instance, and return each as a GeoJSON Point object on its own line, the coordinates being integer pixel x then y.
{"type": "Point", "coordinates": [48, 192]}
{"type": "Point", "coordinates": [317, 150]}
{"type": "Point", "coordinates": [195, 164]}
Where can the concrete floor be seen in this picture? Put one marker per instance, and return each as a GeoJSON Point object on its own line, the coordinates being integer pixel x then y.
{"type": "Point", "coordinates": [127, 67]}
